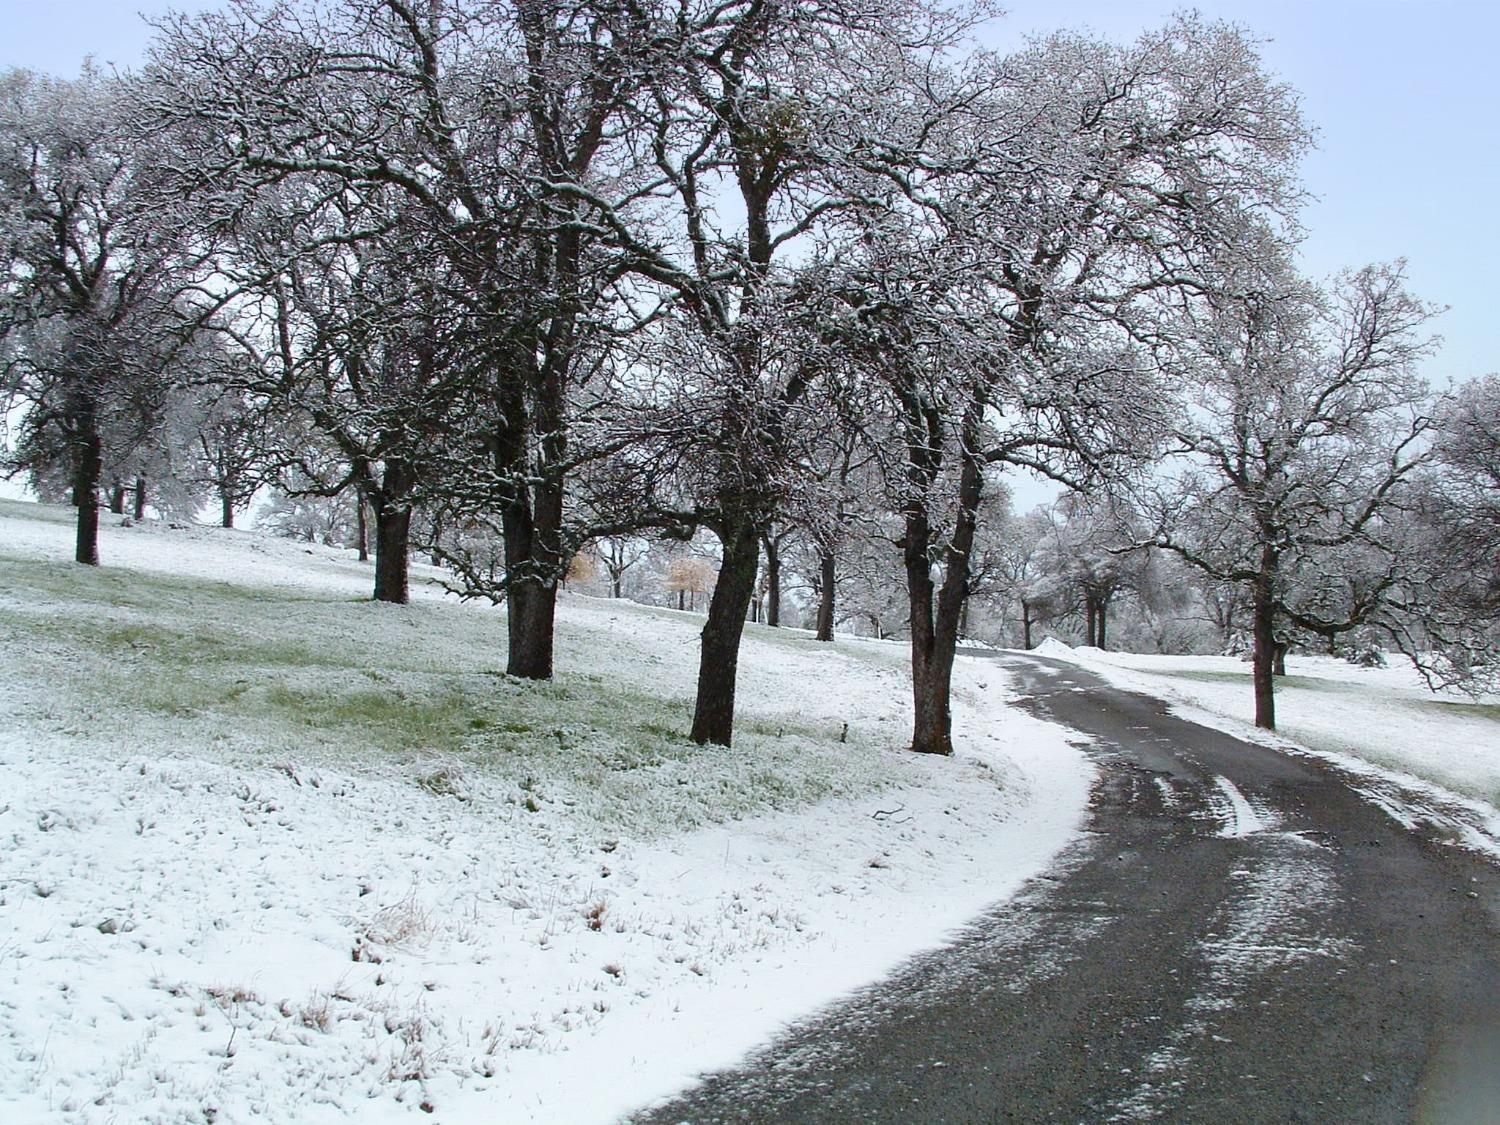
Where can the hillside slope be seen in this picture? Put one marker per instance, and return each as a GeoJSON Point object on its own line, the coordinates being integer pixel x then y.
{"type": "Point", "coordinates": [271, 848]}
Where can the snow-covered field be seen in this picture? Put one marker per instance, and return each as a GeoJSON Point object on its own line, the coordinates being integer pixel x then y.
{"type": "Point", "coordinates": [1419, 754]}
{"type": "Point", "coordinates": [271, 850]}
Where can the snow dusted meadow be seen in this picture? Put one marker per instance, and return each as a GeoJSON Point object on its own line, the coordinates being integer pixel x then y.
{"type": "Point", "coordinates": [1422, 756]}
{"type": "Point", "coordinates": [273, 850]}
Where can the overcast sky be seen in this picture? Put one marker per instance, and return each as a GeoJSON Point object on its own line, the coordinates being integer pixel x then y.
{"type": "Point", "coordinates": [1403, 95]}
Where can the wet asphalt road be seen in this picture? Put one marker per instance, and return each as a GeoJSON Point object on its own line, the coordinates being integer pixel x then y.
{"type": "Point", "coordinates": [1240, 937]}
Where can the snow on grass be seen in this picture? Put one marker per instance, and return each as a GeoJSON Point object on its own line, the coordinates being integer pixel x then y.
{"type": "Point", "coordinates": [1405, 743]}
{"type": "Point", "coordinates": [272, 849]}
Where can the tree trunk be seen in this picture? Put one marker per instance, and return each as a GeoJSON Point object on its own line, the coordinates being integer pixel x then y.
{"type": "Point", "coordinates": [392, 551]}
{"type": "Point", "coordinates": [88, 468]}
{"type": "Point", "coordinates": [1103, 615]}
{"type": "Point", "coordinates": [682, 600]}
{"type": "Point", "coordinates": [713, 713]}
{"type": "Point", "coordinates": [615, 579]}
{"type": "Point", "coordinates": [140, 498]}
{"type": "Point", "coordinates": [1026, 625]}
{"type": "Point", "coordinates": [1278, 664]}
{"type": "Point", "coordinates": [226, 509]}
{"type": "Point", "coordinates": [117, 498]}
{"type": "Point", "coordinates": [826, 594]}
{"type": "Point", "coordinates": [1263, 651]}
{"type": "Point", "coordinates": [935, 611]}
{"type": "Point", "coordinates": [533, 566]}
{"type": "Point", "coordinates": [530, 625]}
{"type": "Point", "coordinates": [1091, 628]}
{"type": "Point", "coordinates": [773, 582]}
{"type": "Point", "coordinates": [361, 528]}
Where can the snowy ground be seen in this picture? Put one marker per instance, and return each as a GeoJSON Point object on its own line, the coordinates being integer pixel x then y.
{"type": "Point", "coordinates": [272, 850]}
{"type": "Point", "coordinates": [1420, 755]}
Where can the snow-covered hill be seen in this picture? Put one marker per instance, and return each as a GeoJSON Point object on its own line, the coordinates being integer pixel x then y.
{"type": "Point", "coordinates": [272, 849]}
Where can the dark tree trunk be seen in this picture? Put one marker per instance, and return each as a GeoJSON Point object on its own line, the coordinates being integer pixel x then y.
{"type": "Point", "coordinates": [1091, 627]}
{"type": "Point", "coordinates": [1278, 664]}
{"type": "Point", "coordinates": [392, 551]}
{"type": "Point", "coordinates": [827, 591]}
{"type": "Point", "coordinates": [392, 530]}
{"type": "Point", "coordinates": [773, 582]}
{"type": "Point", "coordinates": [1103, 617]}
{"type": "Point", "coordinates": [935, 611]}
{"type": "Point", "coordinates": [361, 528]}
{"type": "Point", "coordinates": [534, 566]}
{"type": "Point", "coordinates": [88, 468]}
{"type": "Point", "coordinates": [713, 714]}
{"type": "Point", "coordinates": [682, 600]}
{"type": "Point", "coordinates": [1263, 651]}
{"type": "Point", "coordinates": [226, 509]}
{"type": "Point", "coordinates": [140, 498]}
{"type": "Point", "coordinates": [530, 625]}
{"type": "Point", "coordinates": [1026, 626]}
{"type": "Point", "coordinates": [117, 498]}
{"type": "Point", "coordinates": [615, 578]}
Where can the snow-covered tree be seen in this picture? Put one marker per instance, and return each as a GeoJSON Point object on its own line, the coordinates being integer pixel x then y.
{"type": "Point", "coordinates": [1302, 431]}
{"type": "Point", "coordinates": [994, 300]}
{"type": "Point", "coordinates": [91, 317]}
{"type": "Point", "coordinates": [494, 126]}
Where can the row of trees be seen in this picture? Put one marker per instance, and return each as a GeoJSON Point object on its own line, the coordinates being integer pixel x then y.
{"type": "Point", "coordinates": [811, 271]}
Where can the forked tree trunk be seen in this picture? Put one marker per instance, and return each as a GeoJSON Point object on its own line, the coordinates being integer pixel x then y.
{"type": "Point", "coordinates": [88, 468]}
{"type": "Point", "coordinates": [534, 566]}
{"type": "Point", "coordinates": [713, 713]}
{"type": "Point", "coordinates": [827, 580]}
{"type": "Point", "coordinates": [936, 611]}
{"type": "Point", "coordinates": [530, 621]}
{"type": "Point", "coordinates": [140, 498]}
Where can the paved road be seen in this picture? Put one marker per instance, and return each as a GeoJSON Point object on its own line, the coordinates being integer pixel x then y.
{"type": "Point", "coordinates": [1240, 937]}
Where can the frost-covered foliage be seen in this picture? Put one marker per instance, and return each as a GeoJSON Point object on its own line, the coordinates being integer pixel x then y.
{"type": "Point", "coordinates": [92, 318]}
{"type": "Point", "coordinates": [1298, 448]}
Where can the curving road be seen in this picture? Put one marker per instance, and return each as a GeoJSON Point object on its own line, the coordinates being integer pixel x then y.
{"type": "Point", "coordinates": [1240, 937]}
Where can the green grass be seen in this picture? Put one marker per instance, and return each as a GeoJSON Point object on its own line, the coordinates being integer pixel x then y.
{"type": "Point", "coordinates": [120, 659]}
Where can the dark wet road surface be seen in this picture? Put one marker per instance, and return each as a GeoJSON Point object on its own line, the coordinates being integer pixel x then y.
{"type": "Point", "coordinates": [1240, 937]}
